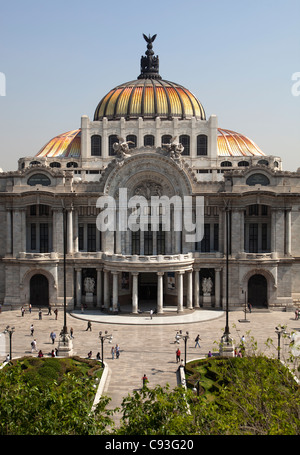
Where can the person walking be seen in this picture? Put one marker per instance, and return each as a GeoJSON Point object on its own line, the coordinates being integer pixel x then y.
{"type": "Point", "coordinates": [71, 332]}
{"type": "Point", "coordinates": [89, 326]}
{"type": "Point", "coordinates": [151, 313]}
{"type": "Point", "coordinates": [22, 311]}
{"type": "Point", "coordinates": [30, 308]}
{"type": "Point", "coordinates": [56, 312]}
{"type": "Point", "coordinates": [40, 314]}
{"type": "Point", "coordinates": [49, 310]}
{"type": "Point", "coordinates": [53, 336]}
{"type": "Point", "coordinates": [197, 341]}
{"type": "Point", "coordinates": [117, 351]}
{"type": "Point", "coordinates": [33, 345]}
{"type": "Point", "coordinates": [178, 353]}
{"type": "Point", "coordinates": [112, 353]}
{"type": "Point", "coordinates": [31, 330]}
{"type": "Point", "coordinates": [145, 380]}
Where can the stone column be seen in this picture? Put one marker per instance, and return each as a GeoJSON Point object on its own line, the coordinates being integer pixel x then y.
{"type": "Point", "coordinates": [23, 230]}
{"type": "Point", "coordinates": [115, 291]}
{"type": "Point", "coordinates": [218, 288]}
{"type": "Point", "coordinates": [196, 288]}
{"type": "Point", "coordinates": [135, 292]}
{"type": "Point", "coordinates": [78, 286]}
{"type": "Point", "coordinates": [288, 224]}
{"type": "Point", "coordinates": [70, 232]}
{"type": "Point", "coordinates": [106, 290]}
{"type": "Point", "coordinates": [180, 291]}
{"type": "Point", "coordinates": [273, 230]}
{"type": "Point", "coordinates": [8, 232]}
{"type": "Point", "coordinates": [76, 230]}
{"type": "Point", "coordinates": [189, 293]}
{"type": "Point", "coordinates": [160, 292]}
{"type": "Point", "coordinates": [99, 288]}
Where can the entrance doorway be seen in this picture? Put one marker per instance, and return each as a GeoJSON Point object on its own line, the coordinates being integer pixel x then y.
{"type": "Point", "coordinates": [39, 290]}
{"type": "Point", "coordinates": [147, 286]}
{"type": "Point", "coordinates": [258, 291]}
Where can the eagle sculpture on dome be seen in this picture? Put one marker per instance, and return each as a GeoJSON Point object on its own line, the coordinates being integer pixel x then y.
{"type": "Point", "coordinates": [149, 39]}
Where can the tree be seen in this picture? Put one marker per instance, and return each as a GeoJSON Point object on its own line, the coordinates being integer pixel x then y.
{"type": "Point", "coordinates": [156, 411]}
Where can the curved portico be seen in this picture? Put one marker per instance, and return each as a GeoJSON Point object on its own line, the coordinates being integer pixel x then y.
{"type": "Point", "coordinates": [160, 265]}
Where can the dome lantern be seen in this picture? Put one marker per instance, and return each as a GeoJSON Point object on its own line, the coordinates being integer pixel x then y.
{"type": "Point", "coordinates": [150, 63]}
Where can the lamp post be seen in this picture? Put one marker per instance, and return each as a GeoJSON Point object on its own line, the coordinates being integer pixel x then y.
{"type": "Point", "coordinates": [185, 338]}
{"type": "Point", "coordinates": [279, 331]}
{"type": "Point", "coordinates": [102, 338]}
{"type": "Point", "coordinates": [245, 310]}
{"type": "Point", "coordinates": [65, 330]}
{"type": "Point", "coordinates": [65, 345]}
{"type": "Point", "coordinates": [10, 331]}
{"type": "Point", "coordinates": [226, 345]}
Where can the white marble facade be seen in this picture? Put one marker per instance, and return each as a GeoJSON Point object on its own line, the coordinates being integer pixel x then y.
{"type": "Point", "coordinates": [129, 268]}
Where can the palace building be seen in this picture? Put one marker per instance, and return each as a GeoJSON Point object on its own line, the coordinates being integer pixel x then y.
{"type": "Point", "coordinates": [151, 137]}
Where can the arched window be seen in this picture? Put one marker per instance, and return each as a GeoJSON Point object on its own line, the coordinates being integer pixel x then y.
{"type": "Point", "coordinates": [39, 179]}
{"type": "Point", "coordinates": [166, 139]}
{"type": "Point", "coordinates": [149, 139]}
{"type": "Point", "coordinates": [72, 164]}
{"type": "Point", "coordinates": [184, 139]}
{"type": "Point", "coordinates": [226, 164]}
{"type": "Point", "coordinates": [34, 162]}
{"type": "Point", "coordinates": [202, 145]}
{"type": "Point", "coordinates": [132, 138]}
{"type": "Point", "coordinates": [55, 164]}
{"type": "Point", "coordinates": [96, 145]}
{"type": "Point", "coordinates": [258, 179]}
{"type": "Point", "coordinates": [265, 162]}
{"type": "Point", "coordinates": [243, 163]}
{"type": "Point", "coordinates": [111, 141]}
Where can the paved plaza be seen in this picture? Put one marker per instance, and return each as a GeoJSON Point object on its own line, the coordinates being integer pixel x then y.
{"type": "Point", "coordinates": [146, 345]}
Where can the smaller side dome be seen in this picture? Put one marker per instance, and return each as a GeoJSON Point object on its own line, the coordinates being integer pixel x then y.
{"type": "Point", "coordinates": [231, 143]}
{"type": "Point", "coordinates": [65, 145]}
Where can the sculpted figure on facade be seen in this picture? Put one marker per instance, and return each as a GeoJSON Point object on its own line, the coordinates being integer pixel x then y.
{"type": "Point", "coordinates": [122, 148]}
{"type": "Point", "coordinates": [174, 149]}
{"type": "Point", "coordinates": [207, 285]}
{"type": "Point", "coordinates": [89, 284]}
{"type": "Point", "coordinates": [148, 189]}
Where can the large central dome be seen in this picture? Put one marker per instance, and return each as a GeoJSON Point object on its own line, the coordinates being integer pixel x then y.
{"type": "Point", "coordinates": [149, 96]}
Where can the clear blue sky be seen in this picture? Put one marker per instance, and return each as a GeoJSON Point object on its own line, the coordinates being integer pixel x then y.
{"type": "Point", "coordinates": [61, 57]}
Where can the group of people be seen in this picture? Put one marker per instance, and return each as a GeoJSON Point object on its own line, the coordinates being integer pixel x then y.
{"type": "Point", "coordinates": [115, 351]}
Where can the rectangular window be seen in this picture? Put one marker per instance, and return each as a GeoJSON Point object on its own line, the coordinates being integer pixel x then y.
{"type": "Point", "coordinates": [148, 241]}
{"type": "Point", "coordinates": [135, 242]}
{"type": "Point", "coordinates": [44, 238]}
{"type": "Point", "coordinates": [160, 241]}
{"type": "Point", "coordinates": [264, 237]}
{"type": "Point", "coordinates": [33, 236]}
{"type": "Point", "coordinates": [205, 242]}
{"type": "Point", "coordinates": [253, 238]}
{"type": "Point", "coordinates": [253, 209]}
{"type": "Point", "coordinates": [91, 237]}
{"type": "Point", "coordinates": [80, 237]}
{"type": "Point", "coordinates": [216, 237]}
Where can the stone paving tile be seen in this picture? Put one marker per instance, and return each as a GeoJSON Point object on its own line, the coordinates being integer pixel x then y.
{"type": "Point", "coordinates": [145, 349]}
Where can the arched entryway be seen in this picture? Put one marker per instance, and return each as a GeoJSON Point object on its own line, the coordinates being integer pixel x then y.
{"type": "Point", "coordinates": [39, 290]}
{"type": "Point", "coordinates": [258, 291]}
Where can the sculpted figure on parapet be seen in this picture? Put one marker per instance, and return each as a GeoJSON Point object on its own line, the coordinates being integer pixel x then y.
{"type": "Point", "coordinates": [122, 148]}
{"type": "Point", "coordinates": [174, 149]}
